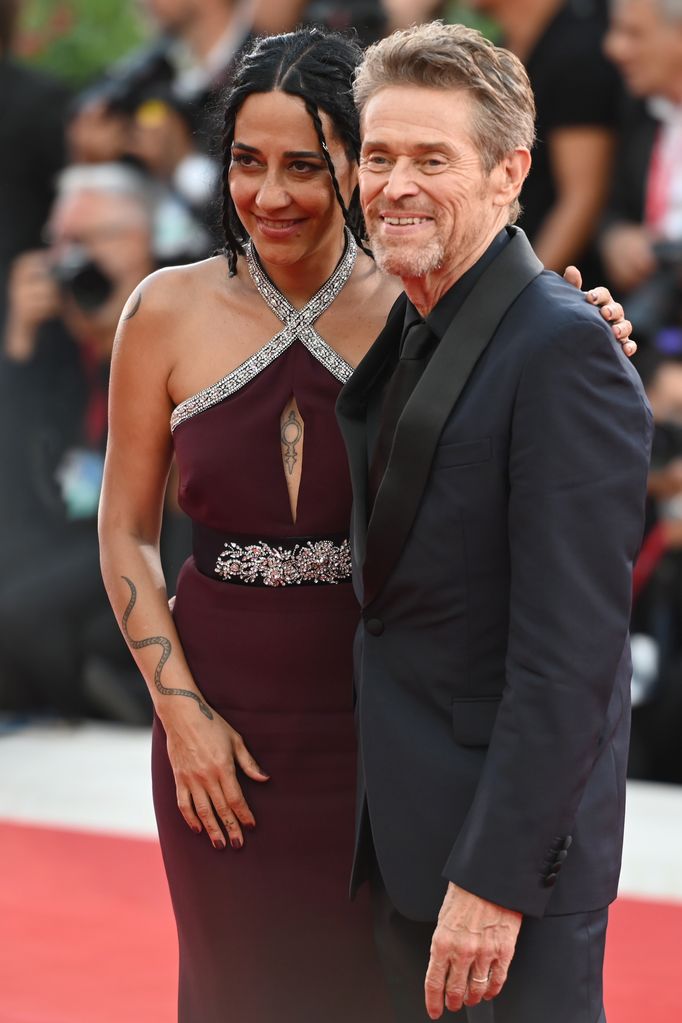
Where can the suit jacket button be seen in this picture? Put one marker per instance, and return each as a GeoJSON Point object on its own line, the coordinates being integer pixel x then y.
{"type": "Point", "coordinates": [374, 626]}
{"type": "Point", "coordinates": [560, 857]}
{"type": "Point", "coordinates": [550, 880]}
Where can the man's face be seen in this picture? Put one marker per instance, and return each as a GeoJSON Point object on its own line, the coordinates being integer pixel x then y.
{"type": "Point", "coordinates": [114, 232]}
{"type": "Point", "coordinates": [646, 47]}
{"type": "Point", "coordinates": [427, 200]}
{"type": "Point", "coordinates": [665, 394]}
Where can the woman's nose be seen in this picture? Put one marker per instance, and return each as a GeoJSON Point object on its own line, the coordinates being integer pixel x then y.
{"type": "Point", "coordinates": [272, 195]}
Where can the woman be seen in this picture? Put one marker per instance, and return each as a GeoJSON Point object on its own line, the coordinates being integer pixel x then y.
{"type": "Point", "coordinates": [257, 661]}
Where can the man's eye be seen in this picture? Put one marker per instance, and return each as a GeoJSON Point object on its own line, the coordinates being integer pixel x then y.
{"type": "Point", "coordinates": [377, 161]}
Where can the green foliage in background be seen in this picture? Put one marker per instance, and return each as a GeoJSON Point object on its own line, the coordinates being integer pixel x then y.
{"type": "Point", "coordinates": [458, 12]}
{"type": "Point", "coordinates": [77, 39]}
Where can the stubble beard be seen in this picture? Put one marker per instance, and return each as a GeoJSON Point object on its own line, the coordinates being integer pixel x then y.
{"type": "Point", "coordinates": [402, 262]}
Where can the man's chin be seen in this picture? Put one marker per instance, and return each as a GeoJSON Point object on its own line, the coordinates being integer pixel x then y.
{"type": "Point", "coordinates": [407, 264]}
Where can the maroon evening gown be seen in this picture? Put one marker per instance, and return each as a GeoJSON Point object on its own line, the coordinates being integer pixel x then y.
{"type": "Point", "coordinates": [267, 933]}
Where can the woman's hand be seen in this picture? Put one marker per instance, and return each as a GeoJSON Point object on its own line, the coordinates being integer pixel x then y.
{"type": "Point", "coordinates": [612, 312]}
{"type": "Point", "coordinates": [204, 755]}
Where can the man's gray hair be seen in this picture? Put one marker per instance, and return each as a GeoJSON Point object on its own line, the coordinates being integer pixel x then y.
{"type": "Point", "coordinates": [438, 56]}
{"type": "Point", "coordinates": [111, 179]}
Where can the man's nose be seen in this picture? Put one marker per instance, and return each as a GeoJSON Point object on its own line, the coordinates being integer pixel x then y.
{"type": "Point", "coordinates": [401, 181]}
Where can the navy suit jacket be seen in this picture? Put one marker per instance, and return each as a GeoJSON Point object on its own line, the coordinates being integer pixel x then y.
{"type": "Point", "coordinates": [492, 660]}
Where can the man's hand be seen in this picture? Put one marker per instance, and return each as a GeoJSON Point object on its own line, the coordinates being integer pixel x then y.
{"type": "Point", "coordinates": [33, 297]}
{"type": "Point", "coordinates": [471, 950]}
{"type": "Point", "coordinates": [613, 312]}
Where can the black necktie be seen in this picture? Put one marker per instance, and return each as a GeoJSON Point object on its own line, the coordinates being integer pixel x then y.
{"type": "Point", "coordinates": [415, 347]}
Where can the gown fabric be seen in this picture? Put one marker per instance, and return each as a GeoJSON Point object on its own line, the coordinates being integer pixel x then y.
{"type": "Point", "coordinates": [267, 933]}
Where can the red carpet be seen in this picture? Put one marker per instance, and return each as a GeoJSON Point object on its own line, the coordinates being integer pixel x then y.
{"type": "Point", "coordinates": [643, 962]}
{"type": "Point", "coordinates": [87, 936]}
{"type": "Point", "coordinates": [86, 929]}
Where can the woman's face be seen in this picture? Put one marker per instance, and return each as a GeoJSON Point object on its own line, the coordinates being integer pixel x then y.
{"type": "Point", "coordinates": [279, 181]}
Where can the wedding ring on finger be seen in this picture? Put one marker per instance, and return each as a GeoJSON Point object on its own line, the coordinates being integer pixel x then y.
{"type": "Point", "coordinates": [480, 980]}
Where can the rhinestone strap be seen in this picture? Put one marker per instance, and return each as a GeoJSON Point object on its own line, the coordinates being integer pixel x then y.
{"type": "Point", "coordinates": [316, 561]}
{"type": "Point", "coordinates": [298, 323]}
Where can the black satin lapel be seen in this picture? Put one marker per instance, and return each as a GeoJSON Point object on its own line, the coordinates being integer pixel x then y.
{"type": "Point", "coordinates": [434, 398]}
{"type": "Point", "coordinates": [351, 413]}
{"type": "Point", "coordinates": [353, 395]}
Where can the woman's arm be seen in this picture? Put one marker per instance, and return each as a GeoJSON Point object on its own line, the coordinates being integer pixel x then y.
{"type": "Point", "coordinates": [202, 748]}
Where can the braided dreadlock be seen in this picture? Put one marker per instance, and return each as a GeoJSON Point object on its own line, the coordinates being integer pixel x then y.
{"type": "Point", "coordinates": [318, 67]}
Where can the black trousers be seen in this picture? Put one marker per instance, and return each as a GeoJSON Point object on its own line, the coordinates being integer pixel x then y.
{"type": "Point", "coordinates": [555, 975]}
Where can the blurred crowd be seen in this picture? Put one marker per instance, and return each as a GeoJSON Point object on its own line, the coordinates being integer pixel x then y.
{"type": "Point", "coordinates": [101, 186]}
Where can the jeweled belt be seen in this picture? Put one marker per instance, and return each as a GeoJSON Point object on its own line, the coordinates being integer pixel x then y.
{"type": "Point", "coordinates": [295, 561]}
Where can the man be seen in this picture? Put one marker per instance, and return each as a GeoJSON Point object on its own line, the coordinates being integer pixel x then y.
{"type": "Point", "coordinates": [32, 147]}
{"type": "Point", "coordinates": [499, 468]}
{"type": "Point", "coordinates": [64, 305]}
{"type": "Point", "coordinates": [645, 42]}
{"type": "Point", "coordinates": [192, 57]}
{"type": "Point", "coordinates": [560, 41]}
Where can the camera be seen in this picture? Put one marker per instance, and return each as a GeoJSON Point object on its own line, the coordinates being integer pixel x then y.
{"type": "Point", "coordinates": [128, 84]}
{"type": "Point", "coordinates": [79, 276]}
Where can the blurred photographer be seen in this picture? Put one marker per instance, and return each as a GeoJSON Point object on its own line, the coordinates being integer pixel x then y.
{"type": "Point", "coordinates": [641, 243]}
{"type": "Point", "coordinates": [59, 645]}
{"type": "Point", "coordinates": [191, 58]}
{"type": "Point", "coordinates": [100, 246]}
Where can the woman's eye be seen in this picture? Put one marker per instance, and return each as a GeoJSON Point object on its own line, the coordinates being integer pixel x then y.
{"type": "Point", "coordinates": [244, 160]}
{"type": "Point", "coordinates": [303, 165]}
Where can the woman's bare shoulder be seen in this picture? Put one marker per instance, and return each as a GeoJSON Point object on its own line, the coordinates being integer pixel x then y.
{"type": "Point", "coordinates": [172, 290]}
{"type": "Point", "coordinates": [172, 304]}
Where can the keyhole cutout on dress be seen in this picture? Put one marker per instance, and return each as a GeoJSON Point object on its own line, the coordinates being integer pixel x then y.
{"type": "Point", "coordinates": [291, 430]}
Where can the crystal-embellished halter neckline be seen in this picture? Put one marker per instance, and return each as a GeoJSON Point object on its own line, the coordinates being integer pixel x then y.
{"type": "Point", "coordinates": [297, 324]}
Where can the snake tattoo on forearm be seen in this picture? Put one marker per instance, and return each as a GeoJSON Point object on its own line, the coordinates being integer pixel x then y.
{"type": "Point", "coordinates": [165, 645]}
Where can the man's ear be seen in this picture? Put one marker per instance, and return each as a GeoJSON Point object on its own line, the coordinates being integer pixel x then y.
{"type": "Point", "coordinates": [511, 172]}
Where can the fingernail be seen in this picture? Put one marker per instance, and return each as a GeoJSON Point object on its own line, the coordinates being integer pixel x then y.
{"type": "Point", "coordinates": [250, 827]}
{"type": "Point", "coordinates": [196, 829]}
{"type": "Point", "coordinates": [593, 295]}
{"type": "Point", "coordinates": [619, 331]}
{"type": "Point", "coordinates": [219, 844]}
{"type": "Point", "coordinates": [235, 843]}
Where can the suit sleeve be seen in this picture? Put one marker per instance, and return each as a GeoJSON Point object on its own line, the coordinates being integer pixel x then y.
{"type": "Point", "coordinates": [578, 465]}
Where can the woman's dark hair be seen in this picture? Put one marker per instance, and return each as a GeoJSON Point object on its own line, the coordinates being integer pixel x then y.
{"type": "Point", "coordinates": [318, 67]}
